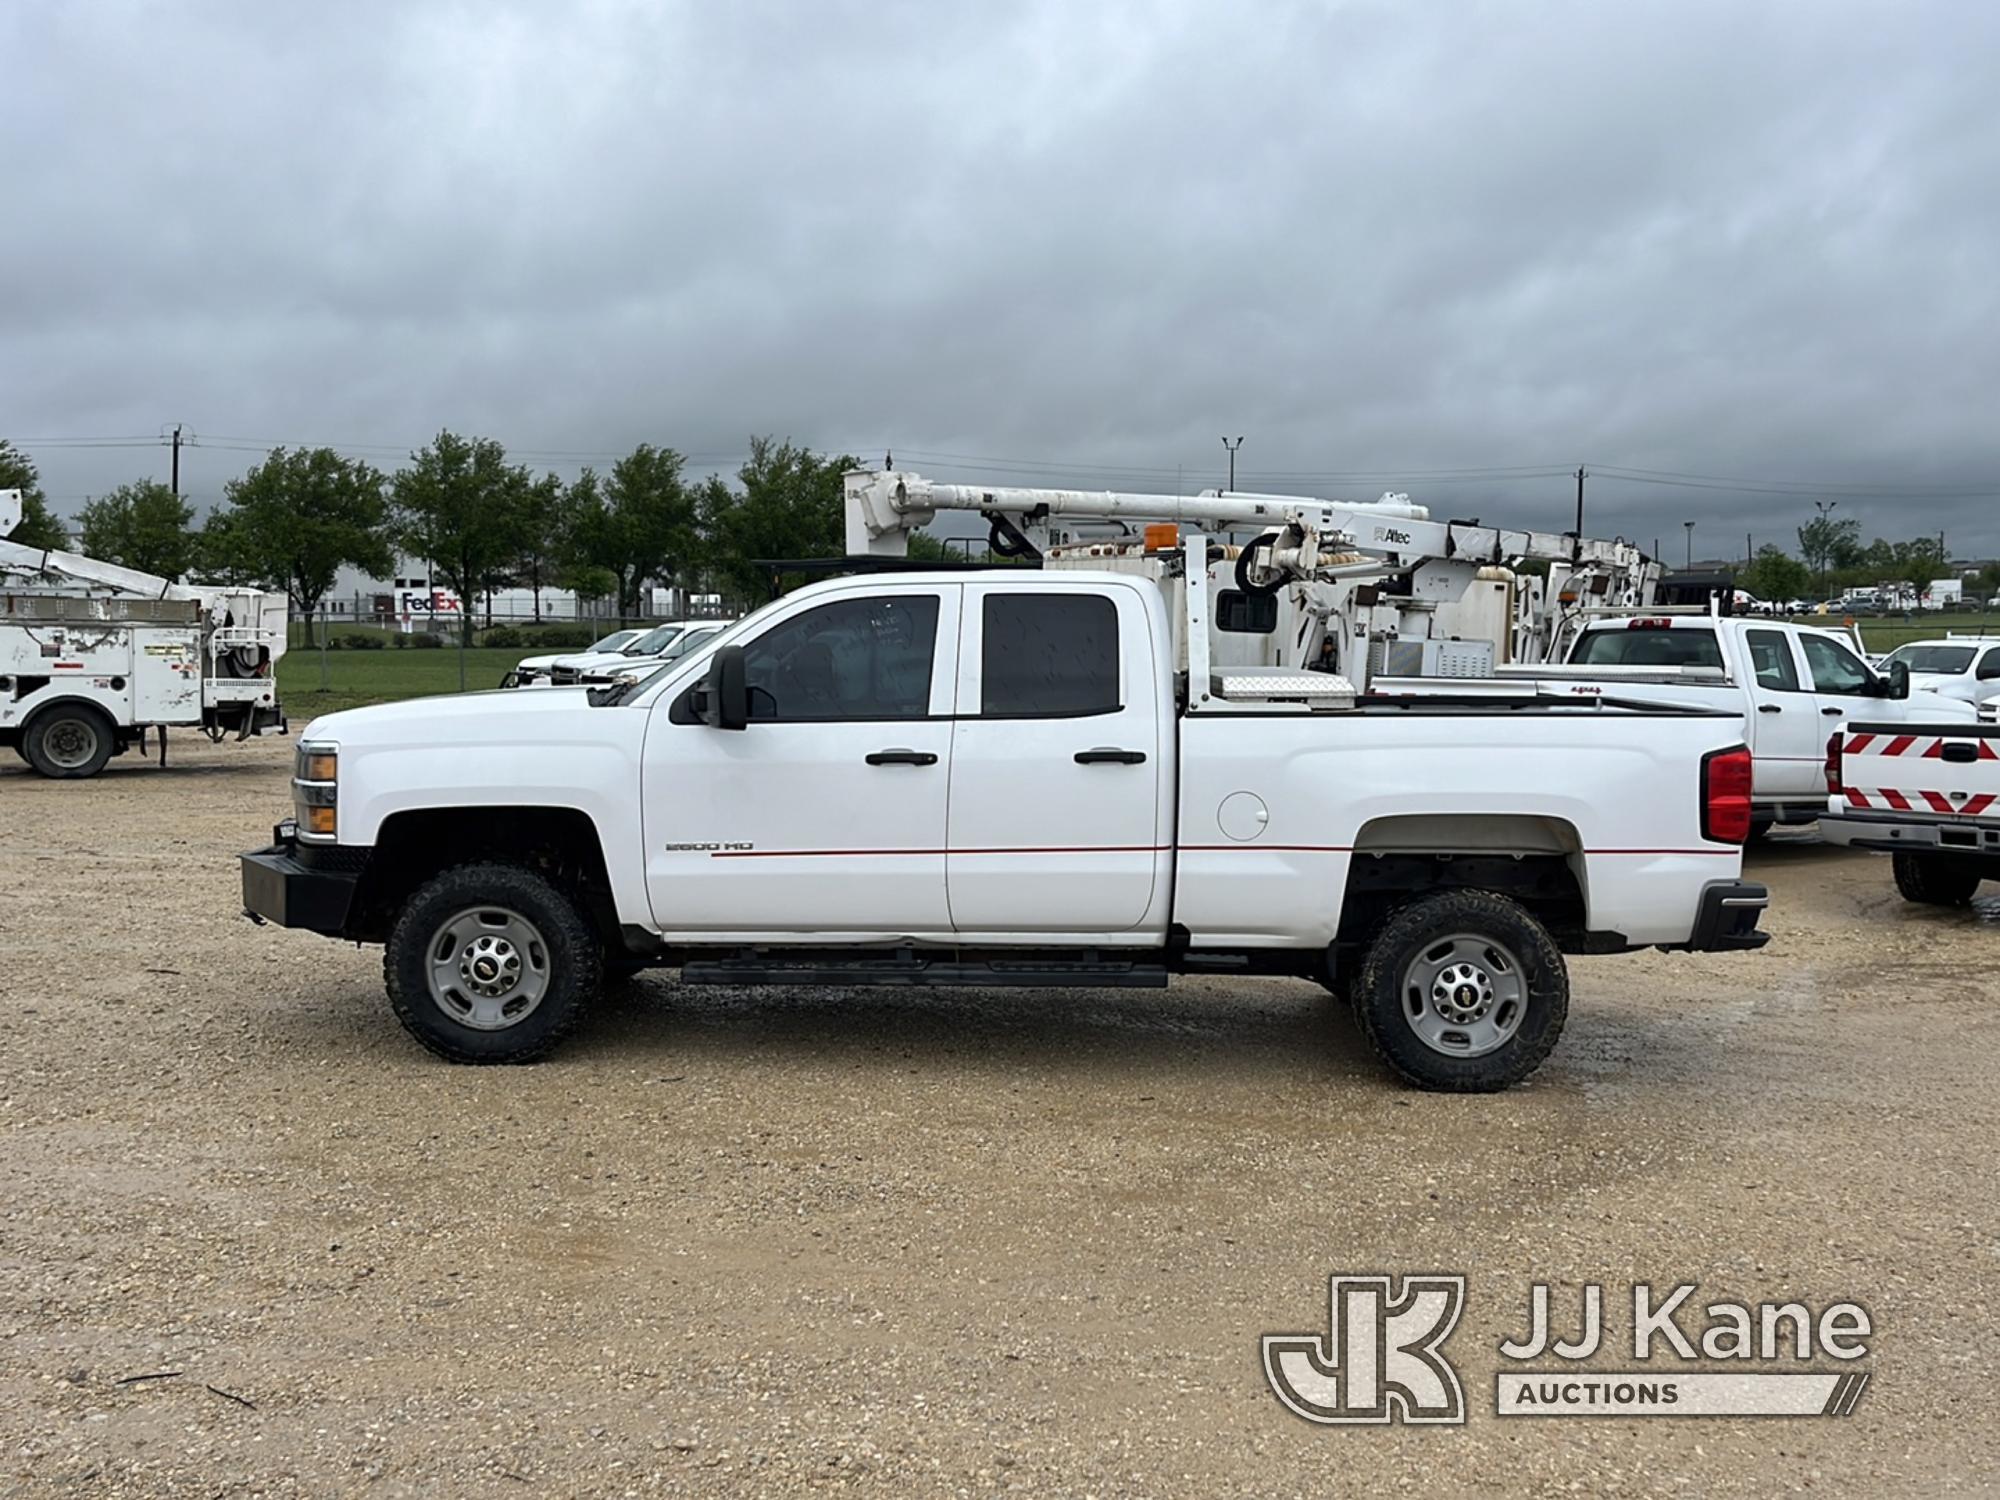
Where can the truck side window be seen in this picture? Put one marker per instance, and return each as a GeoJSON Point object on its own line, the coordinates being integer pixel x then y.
{"type": "Point", "coordinates": [1834, 668]}
{"type": "Point", "coordinates": [851, 659]}
{"type": "Point", "coordinates": [1989, 665]}
{"type": "Point", "coordinates": [1048, 655]}
{"type": "Point", "coordinates": [1771, 655]}
{"type": "Point", "coordinates": [1246, 614]}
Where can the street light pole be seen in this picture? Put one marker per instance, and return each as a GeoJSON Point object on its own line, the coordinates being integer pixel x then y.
{"type": "Point", "coordinates": [1690, 556]}
{"type": "Point", "coordinates": [1232, 447]}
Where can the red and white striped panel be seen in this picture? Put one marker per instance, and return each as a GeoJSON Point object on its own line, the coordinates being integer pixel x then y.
{"type": "Point", "coordinates": [1921, 746]}
{"type": "Point", "coordinates": [1889, 799]}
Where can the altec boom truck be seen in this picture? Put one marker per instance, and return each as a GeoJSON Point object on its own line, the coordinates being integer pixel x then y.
{"type": "Point", "coordinates": [93, 654]}
{"type": "Point", "coordinates": [1055, 776]}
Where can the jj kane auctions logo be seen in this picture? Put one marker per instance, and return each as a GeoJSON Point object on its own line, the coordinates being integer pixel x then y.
{"type": "Point", "coordinates": [1382, 1357]}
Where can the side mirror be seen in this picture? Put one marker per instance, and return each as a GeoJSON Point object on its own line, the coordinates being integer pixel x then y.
{"type": "Point", "coordinates": [723, 699]}
{"type": "Point", "coordinates": [1898, 676]}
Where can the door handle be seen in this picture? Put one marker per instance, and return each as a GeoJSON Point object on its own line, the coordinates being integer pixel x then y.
{"type": "Point", "coordinates": [1106, 755]}
{"type": "Point", "coordinates": [1769, 708]}
{"type": "Point", "coordinates": [1959, 754]}
{"type": "Point", "coordinates": [1833, 713]}
{"type": "Point", "coordinates": [902, 758]}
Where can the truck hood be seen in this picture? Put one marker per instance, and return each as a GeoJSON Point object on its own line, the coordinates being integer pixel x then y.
{"type": "Point", "coordinates": [1944, 684]}
{"type": "Point", "coordinates": [1926, 704]}
{"type": "Point", "coordinates": [490, 718]}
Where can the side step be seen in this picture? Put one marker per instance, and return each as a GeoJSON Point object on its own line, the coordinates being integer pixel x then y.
{"type": "Point", "coordinates": [907, 968]}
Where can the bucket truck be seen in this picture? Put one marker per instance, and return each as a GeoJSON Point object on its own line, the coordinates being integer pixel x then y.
{"type": "Point", "coordinates": [92, 655]}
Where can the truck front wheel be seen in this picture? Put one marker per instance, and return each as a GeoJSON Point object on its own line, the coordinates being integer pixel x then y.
{"type": "Point", "coordinates": [1463, 992]}
{"type": "Point", "coordinates": [1934, 880]}
{"type": "Point", "coordinates": [68, 741]}
{"type": "Point", "coordinates": [490, 963]}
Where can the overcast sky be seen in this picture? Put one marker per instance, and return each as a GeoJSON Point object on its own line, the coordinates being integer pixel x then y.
{"type": "Point", "coordinates": [1032, 243]}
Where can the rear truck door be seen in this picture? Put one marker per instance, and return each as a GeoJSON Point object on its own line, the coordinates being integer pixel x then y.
{"type": "Point", "coordinates": [1787, 734]}
{"type": "Point", "coordinates": [1058, 823]}
{"type": "Point", "coordinates": [826, 814]}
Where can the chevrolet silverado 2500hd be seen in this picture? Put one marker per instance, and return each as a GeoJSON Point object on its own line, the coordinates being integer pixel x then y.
{"type": "Point", "coordinates": [1010, 778]}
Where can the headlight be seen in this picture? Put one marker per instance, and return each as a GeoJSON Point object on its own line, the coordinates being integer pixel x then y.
{"type": "Point", "coordinates": [315, 790]}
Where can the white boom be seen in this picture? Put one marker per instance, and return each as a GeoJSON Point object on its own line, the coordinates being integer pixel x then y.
{"type": "Point", "coordinates": [1356, 576]}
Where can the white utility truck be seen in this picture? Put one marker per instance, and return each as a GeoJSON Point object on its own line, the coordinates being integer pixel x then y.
{"type": "Point", "coordinates": [92, 655]}
{"type": "Point", "coordinates": [1018, 776]}
{"type": "Point", "coordinates": [1792, 684]}
{"type": "Point", "coordinates": [1926, 792]}
{"type": "Point", "coordinates": [570, 669]}
{"type": "Point", "coordinates": [529, 667]}
{"type": "Point", "coordinates": [1955, 665]}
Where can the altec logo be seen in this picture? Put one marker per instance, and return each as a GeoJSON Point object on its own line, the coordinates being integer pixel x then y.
{"type": "Point", "coordinates": [1380, 1361]}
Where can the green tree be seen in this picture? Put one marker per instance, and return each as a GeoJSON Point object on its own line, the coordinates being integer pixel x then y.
{"type": "Point", "coordinates": [645, 530]}
{"type": "Point", "coordinates": [141, 525]}
{"type": "Point", "coordinates": [1775, 575]}
{"type": "Point", "coordinates": [295, 520]}
{"type": "Point", "coordinates": [541, 529]}
{"type": "Point", "coordinates": [38, 526]}
{"type": "Point", "coordinates": [789, 506]}
{"type": "Point", "coordinates": [1828, 544]}
{"type": "Point", "coordinates": [457, 506]}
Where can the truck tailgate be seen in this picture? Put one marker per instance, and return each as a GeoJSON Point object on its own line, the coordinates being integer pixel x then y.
{"type": "Point", "coordinates": [1946, 770]}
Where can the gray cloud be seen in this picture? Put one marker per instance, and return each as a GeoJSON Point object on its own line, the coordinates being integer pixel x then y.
{"type": "Point", "coordinates": [1379, 240]}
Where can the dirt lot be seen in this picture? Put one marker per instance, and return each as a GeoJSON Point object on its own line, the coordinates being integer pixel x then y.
{"type": "Point", "coordinates": [911, 1244]}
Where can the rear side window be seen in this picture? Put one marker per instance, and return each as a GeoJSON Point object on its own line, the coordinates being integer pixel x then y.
{"type": "Point", "coordinates": [1620, 647]}
{"type": "Point", "coordinates": [1049, 655]}
{"type": "Point", "coordinates": [1771, 656]}
{"type": "Point", "coordinates": [1246, 614]}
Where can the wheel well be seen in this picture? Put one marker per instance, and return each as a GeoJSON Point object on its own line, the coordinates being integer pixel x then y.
{"type": "Point", "coordinates": [559, 843]}
{"type": "Point", "coordinates": [1534, 861]}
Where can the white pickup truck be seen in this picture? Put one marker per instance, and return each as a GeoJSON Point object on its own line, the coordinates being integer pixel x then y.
{"type": "Point", "coordinates": [1928, 793]}
{"type": "Point", "coordinates": [1007, 778]}
{"type": "Point", "coordinates": [1793, 683]}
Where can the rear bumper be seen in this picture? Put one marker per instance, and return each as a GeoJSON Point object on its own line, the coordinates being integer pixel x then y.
{"type": "Point", "coordinates": [1892, 831]}
{"type": "Point", "coordinates": [1727, 918]}
{"type": "Point", "coordinates": [288, 886]}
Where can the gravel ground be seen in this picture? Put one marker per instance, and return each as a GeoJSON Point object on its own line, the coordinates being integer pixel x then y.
{"type": "Point", "coordinates": [904, 1244]}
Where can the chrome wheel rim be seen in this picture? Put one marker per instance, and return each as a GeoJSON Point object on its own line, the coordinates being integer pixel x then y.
{"type": "Point", "coordinates": [1464, 995]}
{"type": "Point", "coordinates": [70, 743]}
{"type": "Point", "coordinates": [489, 968]}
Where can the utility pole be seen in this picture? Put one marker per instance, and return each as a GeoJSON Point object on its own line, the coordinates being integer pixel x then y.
{"type": "Point", "coordinates": [177, 458]}
{"type": "Point", "coordinates": [1581, 474]}
{"type": "Point", "coordinates": [1690, 556]}
{"type": "Point", "coordinates": [1232, 447]}
{"type": "Point", "coordinates": [1825, 509]}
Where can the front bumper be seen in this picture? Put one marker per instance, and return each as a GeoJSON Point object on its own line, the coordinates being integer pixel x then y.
{"type": "Point", "coordinates": [300, 885]}
{"type": "Point", "coordinates": [1727, 918]}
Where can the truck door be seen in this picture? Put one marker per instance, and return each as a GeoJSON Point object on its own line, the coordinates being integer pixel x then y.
{"type": "Point", "coordinates": [1787, 745]}
{"type": "Point", "coordinates": [1058, 755]}
{"type": "Point", "coordinates": [826, 815]}
{"type": "Point", "coordinates": [1843, 685]}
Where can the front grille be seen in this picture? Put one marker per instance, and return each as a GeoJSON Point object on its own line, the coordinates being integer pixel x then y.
{"type": "Point", "coordinates": [562, 675]}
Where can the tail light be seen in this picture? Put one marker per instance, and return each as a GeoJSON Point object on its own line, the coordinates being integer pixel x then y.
{"type": "Point", "coordinates": [1833, 749]}
{"type": "Point", "coordinates": [1725, 796]}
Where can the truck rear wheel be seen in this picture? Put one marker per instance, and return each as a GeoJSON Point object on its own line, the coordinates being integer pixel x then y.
{"type": "Point", "coordinates": [489, 963]}
{"type": "Point", "coordinates": [1463, 992]}
{"type": "Point", "coordinates": [1934, 879]}
{"type": "Point", "coordinates": [68, 741]}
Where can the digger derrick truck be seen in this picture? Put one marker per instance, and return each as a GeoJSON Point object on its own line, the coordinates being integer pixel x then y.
{"type": "Point", "coordinates": [1048, 777]}
{"type": "Point", "coordinates": [93, 655]}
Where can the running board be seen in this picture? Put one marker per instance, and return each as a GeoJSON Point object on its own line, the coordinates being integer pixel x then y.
{"type": "Point", "coordinates": [909, 969]}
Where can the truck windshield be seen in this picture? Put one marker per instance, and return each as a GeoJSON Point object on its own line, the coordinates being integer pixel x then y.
{"type": "Point", "coordinates": [1950, 660]}
{"type": "Point", "coordinates": [1620, 646]}
{"type": "Point", "coordinates": [653, 642]}
{"type": "Point", "coordinates": [614, 640]}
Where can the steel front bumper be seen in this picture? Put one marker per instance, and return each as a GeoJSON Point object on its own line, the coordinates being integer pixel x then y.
{"type": "Point", "coordinates": [294, 885]}
{"type": "Point", "coordinates": [1727, 918]}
